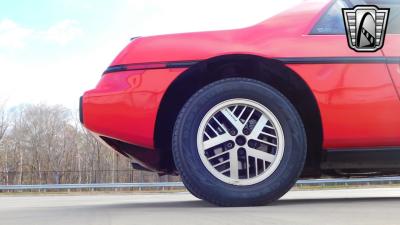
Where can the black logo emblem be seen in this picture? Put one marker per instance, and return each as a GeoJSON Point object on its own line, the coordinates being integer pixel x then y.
{"type": "Point", "coordinates": [366, 27]}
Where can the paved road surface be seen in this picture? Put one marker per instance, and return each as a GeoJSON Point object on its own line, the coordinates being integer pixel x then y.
{"type": "Point", "coordinates": [339, 207]}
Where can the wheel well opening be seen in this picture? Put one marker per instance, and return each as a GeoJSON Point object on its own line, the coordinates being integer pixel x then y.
{"type": "Point", "coordinates": [269, 71]}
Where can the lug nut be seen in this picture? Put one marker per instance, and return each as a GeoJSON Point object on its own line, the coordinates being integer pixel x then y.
{"type": "Point", "coordinates": [246, 131]}
{"type": "Point", "coordinates": [253, 144]}
{"type": "Point", "coordinates": [229, 145]}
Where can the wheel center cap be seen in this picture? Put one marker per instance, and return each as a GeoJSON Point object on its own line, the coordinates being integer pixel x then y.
{"type": "Point", "coordinates": [241, 140]}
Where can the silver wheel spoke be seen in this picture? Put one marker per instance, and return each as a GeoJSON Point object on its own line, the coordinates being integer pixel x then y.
{"type": "Point", "coordinates": [213, 129]}
{"type": "Point", "coordinates": [234, 164]}
{"type": "Point", "coordinates": [258, 127]}
{"type": "Point", "coordinates": [241, 113]}
{"type": "Point", "coordinates": [222, 126]}
{"type": "Point", "coordinates": [217, 155]}
{"type": "Point", "coordinates": [266, 142]}
{"type": "Point", "coordinates": [243, 149]}
{"type": "Point", "coordinates": [260, 155]}
{"type": "Point", "coordinates": [221, 163]}
{"type": "Point", "coordinates": [249, 117]}
{"type": "Point", "coordinates": [216, 141]}
{"type": "Point", "coordinates": [232, 118]}
{"type": "Point", "coordinates": [270, 135]}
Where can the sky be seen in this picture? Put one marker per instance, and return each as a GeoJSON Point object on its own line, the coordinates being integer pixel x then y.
{"type": "Point", "coordinates": [51, 51]}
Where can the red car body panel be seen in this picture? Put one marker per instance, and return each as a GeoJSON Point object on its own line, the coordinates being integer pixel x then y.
{"type": "Point", "coordinates": [356, 111]}
{"type": "Point", "coordinates": [358, 102]}
{"type": "Point", "coordinates": [271, 38]}
{"type": "Point", "coordinates": [125, 104]}
{"type": "Point", "coordinates": [392, 49]}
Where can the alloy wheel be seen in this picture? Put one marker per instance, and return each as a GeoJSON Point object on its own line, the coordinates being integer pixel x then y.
{"type": "Point", "coordinates": [240, 142]}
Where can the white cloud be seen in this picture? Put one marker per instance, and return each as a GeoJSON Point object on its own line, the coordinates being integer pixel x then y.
{"type": "Point", "coordinates": [63, 79]}
{"type": "Point", "coordinates": [63, 32]}
{"type": "Point", "coordinates": [41, 80]}
{"type": "Point", "coordinates": [13, 35]}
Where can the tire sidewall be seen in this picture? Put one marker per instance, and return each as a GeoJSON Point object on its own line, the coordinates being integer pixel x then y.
{"type": "Point", "coordinates": [196, 176]}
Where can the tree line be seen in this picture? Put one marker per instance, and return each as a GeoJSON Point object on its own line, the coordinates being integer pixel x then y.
{"type": "Point", "coordinates": [42, 143]}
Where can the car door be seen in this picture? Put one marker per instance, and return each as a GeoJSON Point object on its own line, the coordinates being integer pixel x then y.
{"type": "Point", "coordinates": [359, 104]}
{"type": "Point", "coordinates": [391, 48]}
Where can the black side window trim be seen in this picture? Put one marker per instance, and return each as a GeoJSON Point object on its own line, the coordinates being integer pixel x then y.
{"type": "Point", "coordinates": [312, 31]}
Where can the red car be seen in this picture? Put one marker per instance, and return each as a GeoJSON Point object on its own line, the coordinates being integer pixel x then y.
{"type": "Point", "coordinates": [241, 114]}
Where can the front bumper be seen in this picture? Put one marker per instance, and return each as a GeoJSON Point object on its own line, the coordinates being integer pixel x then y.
{"type": "Point", "coordinates": [122, 111]}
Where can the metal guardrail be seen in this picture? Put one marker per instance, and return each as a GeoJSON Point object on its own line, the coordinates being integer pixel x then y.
{"type": "Point", "coordinates": [91, 186]}
{"type": "Point", "coordinates": [350, 181]}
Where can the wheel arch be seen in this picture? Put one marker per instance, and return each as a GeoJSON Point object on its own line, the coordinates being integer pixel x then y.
{"type": "Point", "coordinates": [270, 71]}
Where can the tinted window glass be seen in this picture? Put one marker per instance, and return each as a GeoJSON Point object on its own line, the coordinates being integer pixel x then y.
{"type": "Point", "coordinates": [332, 21]}
{"type": "Point", "coordinates": [394, 16]}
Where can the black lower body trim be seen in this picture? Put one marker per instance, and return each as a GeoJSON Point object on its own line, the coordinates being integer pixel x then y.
{"type": "Point", "coordinates": [147, 158]}
{"type": "Point", "coordinates": [375, 158]}
{"type": "Point", "coordinates": [143, 159]}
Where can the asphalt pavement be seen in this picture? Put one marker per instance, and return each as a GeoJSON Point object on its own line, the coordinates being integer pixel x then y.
{"type": "Point", "coordinates": [380, 206]}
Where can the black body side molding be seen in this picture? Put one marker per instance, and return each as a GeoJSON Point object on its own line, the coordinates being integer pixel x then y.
{"type": "Point", "coordinates": [373, 158]}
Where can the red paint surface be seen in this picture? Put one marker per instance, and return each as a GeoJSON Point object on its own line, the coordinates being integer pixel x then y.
{"type": "Point", "coordinates": [359, 103]}
{"type": "Point", "coordinates": [124, 105]}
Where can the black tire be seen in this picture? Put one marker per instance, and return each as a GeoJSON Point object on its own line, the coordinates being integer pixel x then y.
{"type": "Point", "coordinates": [200, 182]}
